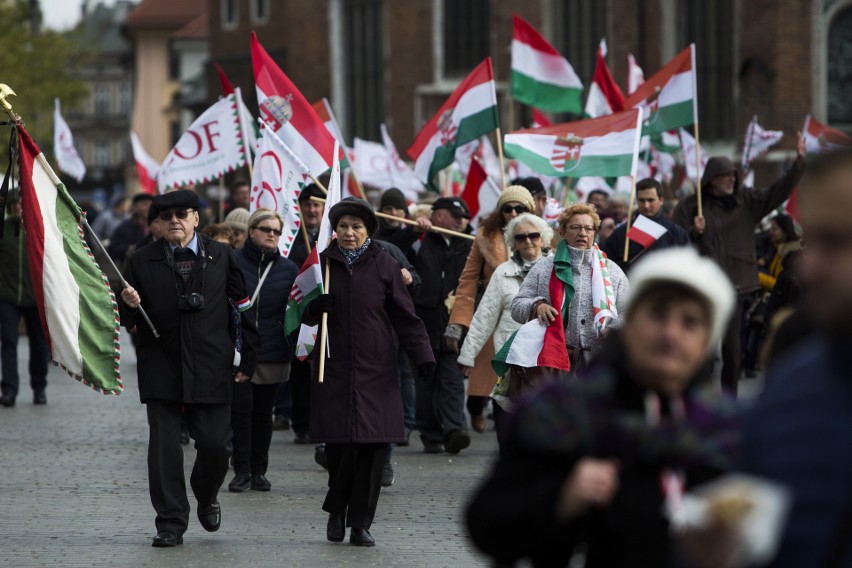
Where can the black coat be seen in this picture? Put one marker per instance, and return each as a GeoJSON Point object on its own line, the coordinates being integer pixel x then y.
{"type": "Point", "coordinates": [675, 236]}
{"type": "Point", "coordinates": [440, 266]}
{"type": "Point", "coordinates": [267, 312]}
{"type": "Point", "coordinates": [299, 251]}
{"type": "Point", "coordinates": [359, 400]}
{"type": "Point", "coordinates": [192, 360]}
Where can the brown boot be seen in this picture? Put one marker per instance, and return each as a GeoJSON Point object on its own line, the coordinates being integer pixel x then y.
{"type": "Point", "coordinates": [477, 422]}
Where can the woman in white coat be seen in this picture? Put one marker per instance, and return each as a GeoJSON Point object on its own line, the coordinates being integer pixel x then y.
{"type": "Point", "coordinates": [527, 237]}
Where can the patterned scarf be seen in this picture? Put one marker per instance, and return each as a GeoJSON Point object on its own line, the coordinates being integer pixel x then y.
{"type": "Point", "coordinates": [527, 265]}
{"type": "Point", "coordinates": [603, 296]}
{"type": "Point", "coordinates": [562, 270]}
{"type": "Point", "coordinates": [352, 255]}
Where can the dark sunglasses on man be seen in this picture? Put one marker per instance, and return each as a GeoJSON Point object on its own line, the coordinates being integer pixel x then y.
{"type": "Point", "coordinates": [179, 213]}
{"type": "Point", "coordinates": [521, 237]}
{"type": "Point", "coordinates": [507, 209]}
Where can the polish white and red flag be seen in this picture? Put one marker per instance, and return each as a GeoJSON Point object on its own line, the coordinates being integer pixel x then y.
{"type": "Point", "coordinates": [645, 231]}
{"type": "Point", "coordinates": [146, 166]}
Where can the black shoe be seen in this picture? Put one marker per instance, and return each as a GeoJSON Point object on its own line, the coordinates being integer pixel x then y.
{"type": "Point", "coordinates": [210, 517]}
{"type": "Point", "coordinates": [39, 397]}
{"type": "Point", "coordinates": [456, 441]}
{"type": "Point", "coordinates": [433, 447]}
{"type": "Point", "coordinates": [361, 537]}
{"type": "Point", "coordinates": [336, 528]}
{"type": "Point", "coordinates": [7, 400]}
{"type": "Point", "coordinates": [166, 539]}
{"type": "Point", "coordinates": [260, 483]}
{"type": "Point", "coordinates": [387, 475]}
{"type": "Point", "coordinates": [320, 457]}
{"type": "Point", "coordinates": [240, 483]}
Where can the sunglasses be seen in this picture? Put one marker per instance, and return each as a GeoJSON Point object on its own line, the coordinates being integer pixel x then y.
{"type": "Point", "coordinates": [520, 237]}
{"type": "Point", "coordinates": [507, 209]}
{"type": "Point", "coordinates": [269, 231]}
{"type": "Point", "coordinates": [179, 213]}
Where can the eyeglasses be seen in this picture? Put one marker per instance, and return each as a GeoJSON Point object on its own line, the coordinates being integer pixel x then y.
{"type": "Point", "coordinates": [520, 237]}
{"type": "Point", "coordinates": [179, 213]}
{"type": "Point", "coordinates": [580, 228]}
{"type": "Point", "coordinates": [507, 209]}
{"type": "Point", "coordinates": [269, 231]}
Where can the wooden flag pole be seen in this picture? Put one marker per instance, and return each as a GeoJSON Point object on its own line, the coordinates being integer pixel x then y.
{"type": "Point", "coordinates": [500, 155]}
{"type": "Point", "coordinates": [318, 184]}
{"type": "Point", "coordinates": [629, 215]}
{"type": "Point", "coordinates": [324, 327]}
{"type": "Point", "coordinates": [698, 170]}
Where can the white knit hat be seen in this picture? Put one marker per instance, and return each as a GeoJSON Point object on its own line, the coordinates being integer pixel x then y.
{"type": "Point", "coordinates": [683, 266]}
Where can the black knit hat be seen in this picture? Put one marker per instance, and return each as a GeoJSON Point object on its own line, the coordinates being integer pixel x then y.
{"type": "Point", "coordinates": [357, 208]}
{"type": "Point", "coordinates": [394, 198]}
{"type": "Point", "coordinates": [309, 191]}
{"type": "Point", "coordinates": [184, 198]}
{"type": "Point", "coordinates": [452, 204]}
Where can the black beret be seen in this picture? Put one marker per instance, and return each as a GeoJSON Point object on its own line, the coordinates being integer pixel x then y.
{"type": "Point", "coordinates": [357, 208]}
{"type": "Point", "coordinates": [309, 191]}
{"type": "Point", "coordinates": [181, 198]}
{"type": "Point", "coordinates": [142, 197]}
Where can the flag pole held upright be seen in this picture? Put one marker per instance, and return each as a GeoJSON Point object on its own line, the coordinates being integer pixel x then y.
{"type": "Point", "coordinates": [324, 327]}
{"type": "Point", "coordinates": [629, 213]}
{"type": "Point", "coordinates": [697, 139]}
{"type": "Point", "coordinates": [500, 155]}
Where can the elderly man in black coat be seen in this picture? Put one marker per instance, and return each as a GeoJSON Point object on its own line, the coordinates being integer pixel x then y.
{"type": "Point", "coordinates": [184, 281]}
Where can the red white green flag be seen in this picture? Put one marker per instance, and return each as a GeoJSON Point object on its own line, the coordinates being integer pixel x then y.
{"type": "Point", "coordinates": [480, 193]}
{"type": "Point", "coordinates": [146, 166]}
{"type": "Point", "coordinates": [541, 77]}
{"type": "Point", "coordinates": [77, 307]}
{"type": "Point", "coordinates": [285, 110]}
{"type": "Point", "coordinates": [670, 97]}
{"type": "Point", "coordinates": [470, 112]}
{"type": "Point", "coordinates": [605, 97]}
{"type": "Point", "coordinates": [607, 146]}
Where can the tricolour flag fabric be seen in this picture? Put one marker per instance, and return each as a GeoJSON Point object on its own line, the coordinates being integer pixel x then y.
{"type": "Point", "coordinates": [323, 109]}
{"type": "Point", "coordinates": [635, 75]}
{"type": "Point", "coordinates": [645, 231]}
{"type": "Point", "coordinates": [480, 193]}
{"type": "Point", "coordinates": [688, 146]}
{"type": "Point", "coordinates": [541, 77]}
{"type": "Point", "coordinates": [539, 119]}
{"type": "Point", "coordinates": [285, 110]}
{"type": "Point", "coordinates": [604, 310]}
{"type": "Point", "coordinates": [605, 97]}
{"type": "Point", "coordinates": [277, 180]}
{"type": "Point", "coordinates": [309, 282]}
{"type": "Point", "coordinates": [67, 158]}
{"type": "Point", "coordinates": [607, 146]}
{"type": "Point", "coordinates": [669, 98]}
{"type": "Point", "coordinates": [249, 125]}
{"type": "Point", "coordinates": [212, 146]}
{"type": "Point", "coordinates": [467, 114]}
{"type": "Point", "coordinates": [146, 166]}
{"type": "Point", "coordinates": [77, 307]}
{"type": "Point", "coordinates": [402, 176]}
{"type": "Point", "coordinates": [758, 141]}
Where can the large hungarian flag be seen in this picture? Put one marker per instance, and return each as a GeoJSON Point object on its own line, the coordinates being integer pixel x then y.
{"type": "Point", "coordinates": [470, 112]}
{"type": "Point", "coordinates": [605, 97]}
{"type": "Point", "coordinates": [285, 110]}
{"type": "Point", "coordinates": [607, 146]}
{"type": "Point", "coordinates": [541, 77]}
{"type": "Point", "coordinates": [77, 307]}
{"type": "Point", "coordinates": [670, 97]}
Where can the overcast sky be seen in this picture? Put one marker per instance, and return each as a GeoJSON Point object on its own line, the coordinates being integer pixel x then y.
{"type": "Point", "coordinates": [64, 14]}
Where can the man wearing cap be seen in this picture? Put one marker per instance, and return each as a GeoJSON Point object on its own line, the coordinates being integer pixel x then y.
{"type": "Point", "coordinates": [725, 233]}
{"type": "Point", "coordinates": [440, 261]}
{"type": "Point", "coordinates": [184, 281]}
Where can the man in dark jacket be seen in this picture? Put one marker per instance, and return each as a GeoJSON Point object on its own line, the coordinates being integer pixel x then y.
{"type": "Point", "coordinates": [725, 233]}
{"type": "Point", "coordinates": [16, 300]}
{"type": "Point", "coordinates": [397, 233]}
{"type": "Point", "coordinates": [649, 198]}
{"type": "Point", "coordinates": [131, 230]}
{"type": "Point", "coordinates": [440, 261]}
{"type": "Point", "coordinates": [184, 282]}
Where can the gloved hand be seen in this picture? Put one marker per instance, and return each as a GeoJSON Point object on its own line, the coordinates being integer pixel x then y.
{"type": "Point", "coordinates": [452, 336]}
{"type": "Point", "coordinates": [425, 371]}
{"type": "Point", "coordinates": [322, 305]}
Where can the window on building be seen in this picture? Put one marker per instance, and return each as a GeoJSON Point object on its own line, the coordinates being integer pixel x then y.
{"type": "Point", "coordinates": [230, 14]}
{"type": "Point", "coordinates": [101, 99]}
{"type": "Point", "coordinates": [364, 56]}
{"type": "Point", "coordinates": [125, 101]}
{"type": "Point", "coordinates": [579, 27]}
{"type": "Point", "coordinates": [710, 25]}
{"type": "Point", "coordinates": [259, 11]}
{"type": "Point", "coordinates": [101, 156]}
{"type": "Point", "coordinates": [466, 35]}
{"type": "Point", "coordinates": [840, 69]}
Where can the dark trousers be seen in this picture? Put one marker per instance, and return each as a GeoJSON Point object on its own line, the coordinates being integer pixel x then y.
{"type": "Point", "coordinates": [502, 420]}
{"type": "Point", "coordinates": [300, 395]}
{"type": "Point", "coordinates": [354, 481]}
{"type": "Point", "coordinates": [210, 427]}
{"type": "Point", "coordinates": [10, 316]}
{"type": "Point", "coordinates": [251, 421]}
{"type": "Point", "coordinates": [476, 404]}
{"type": "Point", "coordinates": [732, 350]}
{"type": "Point", "coordinates": [407, 389]}
{"type": "Point", "coordinates": [440, 400]}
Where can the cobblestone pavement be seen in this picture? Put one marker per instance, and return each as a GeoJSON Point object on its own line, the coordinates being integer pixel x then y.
{"type": "Point", "coordinates": [73, 492]}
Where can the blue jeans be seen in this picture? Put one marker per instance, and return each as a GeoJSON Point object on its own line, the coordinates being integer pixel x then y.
{"type": "Point", "coordinates": [10, 315]}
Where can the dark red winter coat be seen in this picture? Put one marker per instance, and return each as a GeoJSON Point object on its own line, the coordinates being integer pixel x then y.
{"type": "Point", "coordinates": [359, 400]}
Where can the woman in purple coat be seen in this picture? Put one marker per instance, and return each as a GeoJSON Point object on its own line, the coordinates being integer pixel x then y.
{"type": "Point", "coordinates": [357, 409]}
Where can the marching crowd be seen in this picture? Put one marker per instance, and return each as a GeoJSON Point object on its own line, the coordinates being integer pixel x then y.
{"type": "Point", "coordinates": [596, 454]}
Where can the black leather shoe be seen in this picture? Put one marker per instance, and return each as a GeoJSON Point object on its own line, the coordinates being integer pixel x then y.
{"type": "Point", "coordinates": [320, 457]}
{"type": "Point", "coordinates": [361, 537]}
{"type": "Point", "coordinates": [7, 400]}
{"type": "Point", "coordinates": [166, 539]}
{"type": "Point", "coordinates": [336, 528]}
{"type": "Point", "coordinates": [260, 483]}
{"type": "Point", "coordinates": [210, 517]}
{"type": "Point", "coordinates": [456, 441]}
{"type": "Point", "coordinates": [240, 483]}
{"type": "Point", "coordinates": [39, 397]}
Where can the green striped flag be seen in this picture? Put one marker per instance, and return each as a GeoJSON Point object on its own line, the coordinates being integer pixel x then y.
{"type": "Point", "coordinates": [77, 306]}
